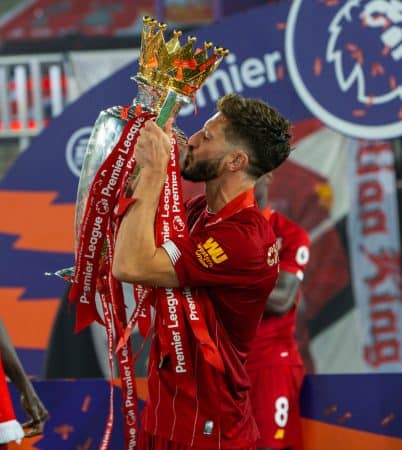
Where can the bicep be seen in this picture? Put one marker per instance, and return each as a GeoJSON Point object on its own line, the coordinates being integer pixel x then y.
{"type": "Point", "coordinates": [214, 259]}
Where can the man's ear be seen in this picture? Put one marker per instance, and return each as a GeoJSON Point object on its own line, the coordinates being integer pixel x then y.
{"type": "Point", "coordinates": [238, 160]}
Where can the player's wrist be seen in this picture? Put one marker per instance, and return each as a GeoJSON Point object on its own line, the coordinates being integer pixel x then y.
{"type": "Point", "coordinates": [153, 174]}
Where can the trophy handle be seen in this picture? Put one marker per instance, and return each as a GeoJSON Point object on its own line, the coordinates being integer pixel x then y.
{"type": "Point", "coordinates": [170, 107]}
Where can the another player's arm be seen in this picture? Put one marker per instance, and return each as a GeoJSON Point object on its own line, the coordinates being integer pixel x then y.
{"type": "Point", "coordinates": [30, 402]}
{"type": "Point", "coordinates": [283, 296]}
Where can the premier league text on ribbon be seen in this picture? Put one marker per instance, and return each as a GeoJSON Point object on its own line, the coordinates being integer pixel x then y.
{"type": "Point", "coordinates": [170, 193]}
{"type": "Point", "coordinates": [130, 398]}
{"type": "Point", "coordinates": [171, 204]}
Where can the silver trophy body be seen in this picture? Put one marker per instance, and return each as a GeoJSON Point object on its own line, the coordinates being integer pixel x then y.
{"type": "Point", "coordinates": [106, 133]}
{"type": "Point", "coordinates": [104, 136]}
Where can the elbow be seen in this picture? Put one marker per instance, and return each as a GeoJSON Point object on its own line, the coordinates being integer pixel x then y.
{"type": "Point", "coordinates": [118, 273]}
{"type": "Point", "coordinates": [123, 271]}
{"type": "Point", "coordinates": [281, 310]}
{"type": "Point", "coordinates": [278, 307]}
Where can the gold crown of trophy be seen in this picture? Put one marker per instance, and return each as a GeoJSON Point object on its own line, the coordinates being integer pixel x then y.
{"type": "Point", "coordinates": [169, 76]}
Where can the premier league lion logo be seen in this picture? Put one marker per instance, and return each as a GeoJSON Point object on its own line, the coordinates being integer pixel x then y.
{"type": "Point", "coordinates": [376, 70]}
{"type": "Point", "coordinates": [345, 60]}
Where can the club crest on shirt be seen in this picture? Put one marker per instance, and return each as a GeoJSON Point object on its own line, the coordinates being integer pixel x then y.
{"type": "Point", "coordinates": [273, 253]}
{"type": "Point", "coordinates": [351, 77]}
{"type": "Point", "coordinates": [210, 253]}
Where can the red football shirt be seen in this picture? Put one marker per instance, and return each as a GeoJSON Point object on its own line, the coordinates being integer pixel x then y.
{"type": "Point", "coordinates": [228, 255]}
{"type": "Point", "coordinates": [274, 343]}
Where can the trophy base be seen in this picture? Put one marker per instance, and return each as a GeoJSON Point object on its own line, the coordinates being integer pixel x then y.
{"type": "Point", "coordinates": [66, 274]}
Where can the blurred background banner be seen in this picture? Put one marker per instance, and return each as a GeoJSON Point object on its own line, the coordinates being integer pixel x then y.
{"type": "Point", "coordinates": [336, 410]}
{"type": "Point", "coordinates": [313, 188]}
{"type": "Point", "coordinates": [351, 412]}
{"type": "Point", "coordinates": [375, 252]}
{"type": "Point", "coordinates": [79, 411]}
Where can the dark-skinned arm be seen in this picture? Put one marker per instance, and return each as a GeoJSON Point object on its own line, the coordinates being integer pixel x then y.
{"type": "Point", "coordinates": [283, 296]}
{"type": "Point", "coordinates": [30, 401]}
{"type": "Point", "coordinates": [137, 259]}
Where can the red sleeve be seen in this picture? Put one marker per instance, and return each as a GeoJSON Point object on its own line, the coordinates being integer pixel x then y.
{"type": "Point", "coordinates": [228, 253]}
{"type": "Point", "coordinates": [294, 250]}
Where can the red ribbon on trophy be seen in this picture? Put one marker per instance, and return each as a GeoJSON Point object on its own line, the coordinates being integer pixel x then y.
{"type": "Point", "coordinates": [93, 271]}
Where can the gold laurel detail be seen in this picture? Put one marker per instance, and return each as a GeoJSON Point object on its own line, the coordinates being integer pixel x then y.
{"type": "Point", "coordinates": [170, 65]}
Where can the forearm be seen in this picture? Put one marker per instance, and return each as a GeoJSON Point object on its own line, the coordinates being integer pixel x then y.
{"type": "Point", "coordinates": [135, 245]}
{"type": "Point", "coordinates": [136, 257]}
{"type": "Point", "coordinates": [283, 296]}
{"type": "Point", "coordinates": [278, 303]}
{"type": "Point", "coordinates": [12, 363]}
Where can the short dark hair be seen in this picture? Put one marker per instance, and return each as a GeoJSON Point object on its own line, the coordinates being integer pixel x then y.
{"type": "Point", "coordinates": [260, 127]}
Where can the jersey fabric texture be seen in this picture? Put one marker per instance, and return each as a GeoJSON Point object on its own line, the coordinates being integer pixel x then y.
{"type": "Point", "coordinates": [274, 364]}
{"type": "Point", "coordinates": [227, 256]}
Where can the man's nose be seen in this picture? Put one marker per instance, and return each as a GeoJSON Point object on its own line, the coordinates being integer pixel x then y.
{"type": "Point", "coordinates": [193, 139]}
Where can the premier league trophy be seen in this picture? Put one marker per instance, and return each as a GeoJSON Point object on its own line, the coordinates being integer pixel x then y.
{"type": "Point", "coordinates": [168, 78]}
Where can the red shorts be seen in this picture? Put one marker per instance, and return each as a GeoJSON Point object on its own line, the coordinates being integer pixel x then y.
{"type": "Point", "coordinates": [148, 441]}
{"type": "Point", "coordinates": [275, 393]}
